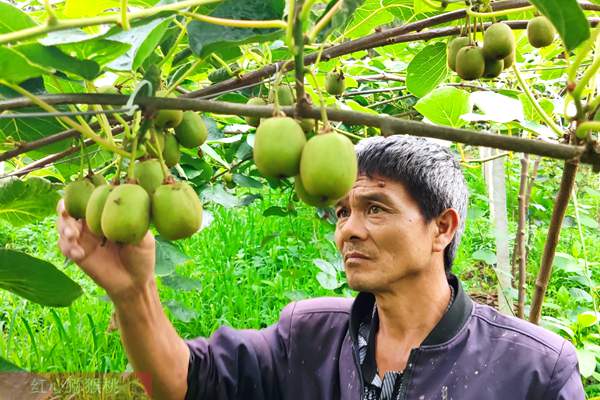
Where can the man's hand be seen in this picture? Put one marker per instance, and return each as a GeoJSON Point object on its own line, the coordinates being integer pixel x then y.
{"type": "Point", "coordinates": [119, 269]}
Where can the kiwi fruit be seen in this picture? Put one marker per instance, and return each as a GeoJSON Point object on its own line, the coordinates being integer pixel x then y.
{"type": "Point", "coordinates": [97, 180]}
{"type": "Point", "coordinates": [470, 63]}
{"type": "Point", "coordinates": [307, 124]}
{"type": "Point", "coordinates": [509, 60]}
{"type": "Point", "coordinates": [149, 174]}
{"type": "Point", "coordinates": [498, 41]}
{"type": "Point", "coordinates": [278, 147]}
{"type": "Point", "coordinates": [540, 32]}
{"type": "Point", "coordinates": [171, 153]}
{"type": "Point", "coordinates": [452, 49]}
{"type": "Point", "coordinates": [95, 206]}
{"type": "Point", "coordinates": [176, 211]}
{"type": "Point", "coordinates": [335, 83]}
{"type": "Point", "coordinates": [328, 166]}
{"type": "Point", "coordinates": [77, 194]}
{"type": "Point", "coordinates": [315, 201]}
{"type": "Point", "coordinates": [285, 95]}
{"type": "Point", "coordinates": [126, 214]}
{"type": "Point", "coordinates": [254, 101]}
{"type": "Point", "coordinates": [192, 131]}
{"type": "Point", "coordinates": [166, 119]}
{"type": "Point", "coordinates": [493, 68]}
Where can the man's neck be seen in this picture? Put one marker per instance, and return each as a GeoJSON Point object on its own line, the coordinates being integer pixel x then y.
{"type": "Point", "coordinates": [411, 311]}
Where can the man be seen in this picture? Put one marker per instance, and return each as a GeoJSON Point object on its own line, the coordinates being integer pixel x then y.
{"type": "Point", "coordinates": [411, 333]}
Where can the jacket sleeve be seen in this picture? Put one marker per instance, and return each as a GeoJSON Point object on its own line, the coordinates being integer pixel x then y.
{"type": "Point", "coordinates": [566, 381]}
{"type": "Point", "coordinates": [240, 364]}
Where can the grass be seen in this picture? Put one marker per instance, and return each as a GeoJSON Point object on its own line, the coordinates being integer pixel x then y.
{"type": "Point", "coordinates": [249, 266]}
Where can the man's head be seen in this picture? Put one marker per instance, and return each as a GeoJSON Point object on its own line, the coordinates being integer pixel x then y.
{"type": "Point", "coordinates": [404, 215]}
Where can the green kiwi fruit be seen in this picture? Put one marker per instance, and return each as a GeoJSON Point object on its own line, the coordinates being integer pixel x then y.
{"type": "Point", "coordinates": [77, 194]}
{"type": "Point", "coordinates": [315, 201]}
{"type": "Point", "coordinates": [126, 214]}
{"type": "Point", "coordinates": [540, 32]}
{"type": "Point", "coordinates": [470, 63]}
{"type": "Point", "coordinates": [166, 119]}
{"type": "Point", "coordinates": [328, 167]}
{"type": "Point", "coordinates": [278, 147]}
{"type": "Point", "coordinates": [176, 211]}
{"type": "Point", "coordinates": [97, 180]}
{"type": "Point", "coordinates": [285, 95]}
{"type": "Point", "coordinates": [493, 68]}
{"type": "Point", "coordinates": [149, 174]}
{"type": "Point", "coordinates": [171, 153]}
{"type": "Point", "coordinates": [95, 206]}
{"type": "Point", "coordinates": [509, 60]}
{"type": "Point", "coordinates": [498, 41]}
{"type": "Point", "coordinates": [335, 83]}
{"type": "Point", "coordinates": [192, 131]}
{"type": "Point", "coordinates": [452, 49]}
{"type": "Point", "coordinates": [254, 101]}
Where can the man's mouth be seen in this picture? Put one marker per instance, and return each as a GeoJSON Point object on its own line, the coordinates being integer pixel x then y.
{"type": "Point", "coordinates": [355, 255]}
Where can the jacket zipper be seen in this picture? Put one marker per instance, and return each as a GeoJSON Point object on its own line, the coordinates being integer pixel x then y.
{"type": "Point", "coordinates": [404, 380]}
{"type": "Point", "coordinates": [358, 368]}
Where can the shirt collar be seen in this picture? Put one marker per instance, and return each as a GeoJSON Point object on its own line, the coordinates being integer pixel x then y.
{"type": "Point", "coordinates": [452, 321]}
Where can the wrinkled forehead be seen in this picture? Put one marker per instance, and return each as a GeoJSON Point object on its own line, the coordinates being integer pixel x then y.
{"type": "Point", "coordinates": [369, 187]}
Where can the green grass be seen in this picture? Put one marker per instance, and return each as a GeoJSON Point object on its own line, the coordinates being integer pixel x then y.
{"type": "Point", "coordinates": [250, 266]}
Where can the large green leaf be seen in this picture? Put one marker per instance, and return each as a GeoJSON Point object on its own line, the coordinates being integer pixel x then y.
{"type": "Point", "coordinates": [26, 201]}
{"type": "Point", "coordinates": [168, 257]}
{"type": "Point", "coordinates": [54, 58]}
{"type": "Point", "coordinates": [143, 39]}
{"type": "Point", "coordinates": [445, 106]}
{"type": "Point", "coordinates": [13, 19]}
{"type": "Point", "coordinates": [367, 17]}
{"type": "Point", "coordinates": [15, 67]}
{"type": "Point", "coordinates": [7, 366]}
{"type": "Point", "coordinates": [36, 280]}
{"type": "Point", "coordinates": [427, 69]}
{"type": "Point", "coordinates": [205, 38]}
{"type": "Point", "coordinates": [568, 18]}
{"type": "Point", "coordinates": [28, 129]}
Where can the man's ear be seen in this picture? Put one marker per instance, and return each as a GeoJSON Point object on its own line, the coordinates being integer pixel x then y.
{"type": "Point", "coordinates": [446, 226]}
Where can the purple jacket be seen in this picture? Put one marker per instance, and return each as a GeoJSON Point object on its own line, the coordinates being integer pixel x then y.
{"type": "Point", "coordinates": [474, 353]}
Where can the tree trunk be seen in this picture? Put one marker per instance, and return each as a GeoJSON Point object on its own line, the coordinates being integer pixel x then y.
{"type": "Point", "coordinates": [520, 257]}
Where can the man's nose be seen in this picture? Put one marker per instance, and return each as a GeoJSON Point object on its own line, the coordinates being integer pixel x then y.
{"type": "Point", "coordinates": [353, 228]}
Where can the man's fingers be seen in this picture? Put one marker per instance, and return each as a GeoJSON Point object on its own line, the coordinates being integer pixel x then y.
{"type": "Point", "coordinates": [71, 249]}
{"type": "Point", "coordinates": [60, 208]}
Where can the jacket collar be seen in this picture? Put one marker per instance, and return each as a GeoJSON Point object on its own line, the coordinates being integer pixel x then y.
{"type": "Point", "coordinates": [454, 319]}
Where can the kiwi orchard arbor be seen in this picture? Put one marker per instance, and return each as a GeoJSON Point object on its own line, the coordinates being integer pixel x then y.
{"type": "Point", "coordinates": [169, 62]}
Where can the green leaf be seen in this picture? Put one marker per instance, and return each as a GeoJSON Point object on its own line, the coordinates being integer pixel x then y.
{"type": "Point", "coordinates": [7, 366]}
{"type": "Point", "coordinates": [427, 69]}
{"type": "Point", "coordinates": [78, 8]}
{"type": "Point", "coordinates": [13, 19]}
{"type": "Point", "coordinates": [26, 201]}
{"type": "Point", "coordinates": [529, 110]}
{"type": "Point", "coordinates": [587, 319]}
{"type": "Point", "coordinates": [587, 362]}
{"type": "Point", "coordinates": [143, 39]}
{"type": "Point", "coordinates": [181, 312]}
{"type": "Point", "coordinates": [205, 38]}
{"type": "Point", "coordinates": [16, 68]}
{"type": "Point", "coordinates": [445, 106]}
{"type": "Point", "coordinates": [36, 280]}
{"type": "Point", "coordinates": [495, 107]}
{"type": "Point", "coordinates": [219, 195]}
{"type": "Point", "coordinates": [168, 257]}
{"type": "Point", "coordinates": [568, 18]}
{"type": "Point", "coordinates": [485, 255]}
{"type": "Point", "coordinates": [369, 15]}
{"type": "Point", "coordinates": [54, 58]}
{"type": "Point", "coordinates": [340, 18]}
{"type": "Point", "coordinates": [276, 211]}
{"type": "Point", "coordinates": [246, 181]}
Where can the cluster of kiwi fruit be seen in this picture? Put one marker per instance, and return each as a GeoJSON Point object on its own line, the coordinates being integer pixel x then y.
{"type": "Point", "coordinates": [324, 166]}
{"type": "Point", "coordinates": [123, 212]}
{"type": "Point", "coordinates": [471, 61]}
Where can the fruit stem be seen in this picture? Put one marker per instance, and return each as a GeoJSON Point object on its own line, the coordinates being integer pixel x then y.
{"type": "Point", "coordinates": [583, 52]}
{"type": "Point", "coordinates": [585, 127]}
{"type": "Point", "coordinates": [117, 178]}
{"type": "Point", "coordinates": [130, 170]}
{"type": "Point", "coordinates": [52, 18]}
{"type": "Point", "coordinates": [222, 63]}
{"type": "Point", "coordinates": [289, 28]}
{"type": "Point", "coordinates": [124, 19]}
{"type": "Point", "coordinates": [86, 131]}
{"type": "Point", "coordinates": [102, 119]}
{"type": "Point", "coordinates": [301, 102]}
{"type": "Point", "coordinates": [585, 79]}
{"type": "Point", "coordinates": [324, 21]}
{"type": "Point", "coordinates": [306, 7]}
{"type": "Point", "coordinates": [236, 23]}
{"type": "Point", "coordinates": [323, 109]}
{"type": "Point", "coordinates": [81, 158]}
{"type": "Point", "coordinates": [494, 14]}
{"type": "Point", "coordinates": [535, 103]}
{"type": "Point", "coordinates": [166, 171]}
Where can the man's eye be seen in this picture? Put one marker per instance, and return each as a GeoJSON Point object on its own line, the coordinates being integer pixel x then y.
{"type": "Point", "coordinates": [342, 213]}
{"type": "Point", "coordinates": [375, 210]}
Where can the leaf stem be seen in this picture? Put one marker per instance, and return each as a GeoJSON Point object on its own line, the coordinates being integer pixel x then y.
{"type": "Point", "coordinates": [184, 76]}
{"type": "Point", "coordinates": [124, 19]}
{"type": "Point", "coordinates": [583, 52]}
{"type": "Point", "coordinates": [65, 24]}
{"type": "Point", "coordinates": [585, 127]}
{"type": "Point", "coordinates": [236, 23]}
{"type": "Point", "coordinates": [306, 7]}
{"type": "Point", "coordinates": [585, 79]}
{"type": "Point", "coordinates": [535, 103]}
{"type": "Point", "coordinates": [324, 21]}
{"type": "Point", "coordinates": [163, 166]}
{"type": "Point", "coordinates": [88, 133]}
{"type": "Point", "coordinates": [289, 26]}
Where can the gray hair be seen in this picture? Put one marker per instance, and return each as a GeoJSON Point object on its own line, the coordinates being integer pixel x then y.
{"type": "Point", "coordinates": [430, 173]}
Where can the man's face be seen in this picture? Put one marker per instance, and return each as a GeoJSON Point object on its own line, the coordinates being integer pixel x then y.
{"type": "Point", "coordinates": [382, 234]}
